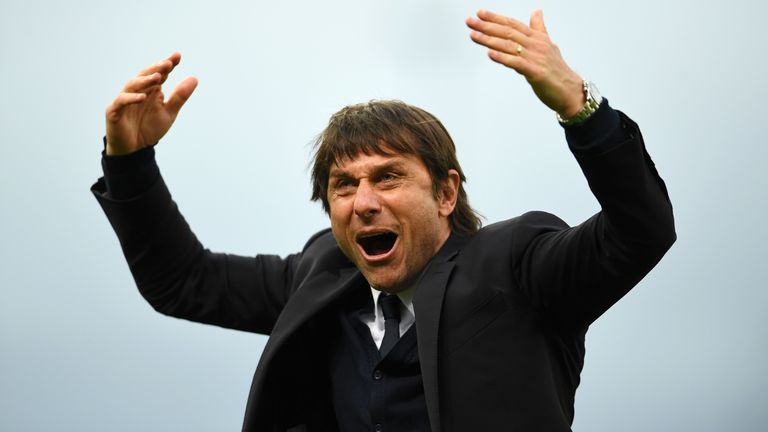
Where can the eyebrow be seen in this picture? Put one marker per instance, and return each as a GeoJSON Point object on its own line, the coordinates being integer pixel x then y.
{"type": "Point", "coordinates": [395, 164]}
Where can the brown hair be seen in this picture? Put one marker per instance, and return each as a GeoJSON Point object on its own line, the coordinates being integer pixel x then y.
{"type": "Point", "coordinates": [386, 127]}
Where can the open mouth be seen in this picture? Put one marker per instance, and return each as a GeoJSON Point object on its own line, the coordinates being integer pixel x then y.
{"type": "Point", "coordinates": [377, 244]}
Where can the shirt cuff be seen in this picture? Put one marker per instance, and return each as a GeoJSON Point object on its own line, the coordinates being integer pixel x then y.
{"type": "Point", "coordinates": [128, 176]}
{"type": "Point", "coordinates": [598, 134]}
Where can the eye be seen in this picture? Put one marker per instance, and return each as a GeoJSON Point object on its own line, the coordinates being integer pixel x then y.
{"type": "Point", "coordinates": [388, 177]}
{"type": "Point", "coordinates": [388, 180]}
{"type": "Point", "coordinates": [342, 187]}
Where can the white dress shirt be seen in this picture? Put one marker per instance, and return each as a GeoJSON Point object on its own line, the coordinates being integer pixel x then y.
{"type": "Point", "coordinates": [375, 321]}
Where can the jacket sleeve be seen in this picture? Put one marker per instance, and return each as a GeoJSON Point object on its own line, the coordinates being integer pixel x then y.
{"type": "Point", "coordinates": [576, 274]}
{"type": "Point", "coordinates": [180, 278]}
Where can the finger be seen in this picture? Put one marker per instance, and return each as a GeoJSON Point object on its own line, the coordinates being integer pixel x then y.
{"type": "Point", "coordinates": [494, 43]}
{"type": "Point", "coordinates": [537, 21]}
{"type": "Point", "coordinates": [511, 61]}
{"type": "Point", "coordinates": [164, 66]}
{"type": "Point", "coordinates": [115, 109]}
{"type": "Point", "coordinates": [142, 82]}
{"type": "Point", "coordinates": [504, 21]}
{"type": "Point", "coordinates": [181, 94]}
{"type": "Point", "coordinates": [496, 30]}
{"type": "Point", "coordinates": [175, 59]}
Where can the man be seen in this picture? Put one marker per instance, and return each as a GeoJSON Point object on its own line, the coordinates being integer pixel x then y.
{"type": "Point", "coordinates": [405, 316]}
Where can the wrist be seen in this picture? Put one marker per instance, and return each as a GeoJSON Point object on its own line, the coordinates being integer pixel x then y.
{"type": "Point", "coordinates": [128, 176]}
{"type": "Point", "coordinates": [590, 98]}
{"type": "Point", "coordinates": [573, 108]}
{"type": "Point", "coordinates": [112, 150]}
{"type": "Point", "coordinates": [574, 98]}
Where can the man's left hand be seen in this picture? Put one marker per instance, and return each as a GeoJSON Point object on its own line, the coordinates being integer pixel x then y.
{"type": "Point", "coordinates": [529, 51]}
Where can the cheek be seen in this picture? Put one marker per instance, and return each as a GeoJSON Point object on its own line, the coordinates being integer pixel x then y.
{"type": "Point", "coordinates": [426, 229]}
{"type": "Point", "coordinates": [341, 240]}
{"type": "Point", "coordinates": [338, 230]}
{"type": "Point", "coordinates": [338, 215]}
{"type": "Point", "coordinates": [339, 227]}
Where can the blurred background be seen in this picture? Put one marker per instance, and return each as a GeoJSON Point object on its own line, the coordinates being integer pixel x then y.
{"type": "Point", "coordinates": [80, 350]}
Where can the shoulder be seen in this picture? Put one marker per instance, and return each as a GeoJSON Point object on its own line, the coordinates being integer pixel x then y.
{"type": "Point", "coordinates": [526, 225]}
{"type": "Point", "coordinates": [515, 234]}
{"type": "Point", "coordinates": [322, 239]}
{"type": "Point", "coordinates": [321, 253]}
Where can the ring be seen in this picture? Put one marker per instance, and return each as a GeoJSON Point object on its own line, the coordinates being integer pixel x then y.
{"type": "Point", "coordinates": [519, 49]}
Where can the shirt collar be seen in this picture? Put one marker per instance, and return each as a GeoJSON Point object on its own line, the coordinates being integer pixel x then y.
{"type": "Point", "coordinates": [406, 297]}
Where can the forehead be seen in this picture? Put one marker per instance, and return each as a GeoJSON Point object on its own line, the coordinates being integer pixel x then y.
{"type": "Point", "coordinates": [363, 163]}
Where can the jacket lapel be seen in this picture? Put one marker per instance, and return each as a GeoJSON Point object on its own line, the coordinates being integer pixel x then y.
{"type": "Point", "coordinates": [312, 296]}
{"type": "Point", "coordinates": [320, 291]}
{"type": "Point", "coordinates": [428, 304]}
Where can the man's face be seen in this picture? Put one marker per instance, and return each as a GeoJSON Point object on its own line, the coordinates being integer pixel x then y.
{"type": "Point", "coordinates": [386, 218]}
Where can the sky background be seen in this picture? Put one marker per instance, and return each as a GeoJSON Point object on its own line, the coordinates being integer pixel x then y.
{"type": "Point", "coordinates": [80, 350]}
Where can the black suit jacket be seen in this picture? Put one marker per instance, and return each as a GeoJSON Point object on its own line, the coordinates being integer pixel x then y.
{"type": "Point", "coordinates": [501, 315]}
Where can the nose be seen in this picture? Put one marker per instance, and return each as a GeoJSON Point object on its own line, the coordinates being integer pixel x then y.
{"type": "Point", "coordinates": [367, 202]}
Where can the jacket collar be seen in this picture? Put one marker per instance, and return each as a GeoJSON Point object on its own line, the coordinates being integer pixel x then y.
{"type": "Point", "coordinates": [428, 303]}
{"type": "Point", "coordinates": [325, 288]}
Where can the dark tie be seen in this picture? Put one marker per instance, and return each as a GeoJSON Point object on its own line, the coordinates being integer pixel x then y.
{"type": "Point", "coordinates": [390, 305]}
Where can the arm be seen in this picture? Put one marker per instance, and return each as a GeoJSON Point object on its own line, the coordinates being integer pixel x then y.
{"type": "Point", "coordinates": [575, 274]}
{"type": "Point", "coordinates": [172, 270]}
{"type": "Point", "coordinates": [180, 278]}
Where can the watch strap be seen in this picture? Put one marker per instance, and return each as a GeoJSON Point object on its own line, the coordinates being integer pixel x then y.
{"type": "Point", "coordinates": [590, 106]}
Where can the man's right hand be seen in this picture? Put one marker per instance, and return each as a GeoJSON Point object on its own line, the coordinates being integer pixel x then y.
{"type": "Point", "coordinates": [140, 115]}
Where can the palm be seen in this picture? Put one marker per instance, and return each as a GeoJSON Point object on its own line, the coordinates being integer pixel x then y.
{"type": "Point", "coordinates": [140, 116]}
{"type": "Point", "coordinates": [145, 123]}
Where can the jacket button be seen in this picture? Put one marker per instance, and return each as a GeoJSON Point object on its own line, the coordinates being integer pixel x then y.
{"type": "Point", "coordinates": [378, 427]}
{"type": "Point", "coordinates": [377, 375]}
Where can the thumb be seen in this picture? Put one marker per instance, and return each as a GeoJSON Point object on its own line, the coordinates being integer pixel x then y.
{"type": "Point", "coordinates": [537, 21]}
{"type": "Point", "coordinates": [180, 94]}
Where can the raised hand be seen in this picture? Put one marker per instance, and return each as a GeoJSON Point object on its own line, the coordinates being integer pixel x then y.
{"type": "Point", "coordinates": [140, 115]}
{"type": "Point", "coordinates": [529, 51]}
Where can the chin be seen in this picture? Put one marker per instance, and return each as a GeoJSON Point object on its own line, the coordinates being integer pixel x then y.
{"type": "Point", "coordinates": [380, 284]}
{"type": "Point", "coordinates": [388, 283]}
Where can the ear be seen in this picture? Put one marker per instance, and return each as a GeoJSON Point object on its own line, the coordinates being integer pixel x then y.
{"type": "Point", "coordinates": [449, 193]}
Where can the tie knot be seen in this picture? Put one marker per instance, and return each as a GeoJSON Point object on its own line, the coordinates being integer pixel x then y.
{"type": "Point", "coordinates": [390, 305]}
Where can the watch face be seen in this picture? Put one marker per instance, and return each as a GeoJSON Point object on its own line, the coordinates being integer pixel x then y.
{"type": "Point", "coordinates": [594, 92]}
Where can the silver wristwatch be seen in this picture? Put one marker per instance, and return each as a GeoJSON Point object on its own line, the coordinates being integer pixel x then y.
{"type": "Point", "coordinates": [589, 108]}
